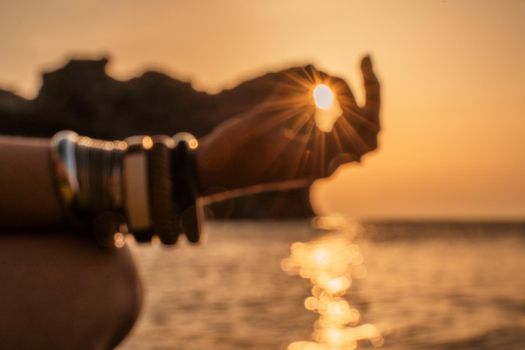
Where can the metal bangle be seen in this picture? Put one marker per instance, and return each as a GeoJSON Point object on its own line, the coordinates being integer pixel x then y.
{"type": "Point", "coordinates": [99, 173]}
{"type": "Point", "coordinates": [62, 150]}
{"type": "Point", "coordinates": [88, 175]}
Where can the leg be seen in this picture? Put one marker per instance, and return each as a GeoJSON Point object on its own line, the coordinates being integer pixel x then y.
{"type": "Point", "coordinates": [61, 291]}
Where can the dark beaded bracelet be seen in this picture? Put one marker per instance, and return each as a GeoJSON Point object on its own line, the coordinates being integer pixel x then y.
{"type": "Point", "coordinates": [165, 220]}
{"type": "Point", "coordinates": [185, 185]}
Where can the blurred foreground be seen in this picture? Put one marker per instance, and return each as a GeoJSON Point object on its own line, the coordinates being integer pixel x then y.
{"type": "Point", "coordinates": [422, 286]}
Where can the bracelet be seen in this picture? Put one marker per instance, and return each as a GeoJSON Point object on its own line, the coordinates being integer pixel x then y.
{"type": "Point", "coordinates": [163, 207]}
{"type": "Point", "coordinates": [87, 172]}
{"type": "Point", "coordinates": [186, 194]}
{"type": "Point", "coordinates": [88, 180]}
{"type": "Point", "coordinates": [136, 187]}
{"type": "Point", "coordinates": [144, 185]}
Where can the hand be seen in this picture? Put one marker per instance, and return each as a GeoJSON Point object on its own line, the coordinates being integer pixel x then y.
{"type": "Point", "coordinates": [275, 144]}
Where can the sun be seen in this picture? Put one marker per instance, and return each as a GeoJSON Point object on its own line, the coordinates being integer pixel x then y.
{"type": "Point", "coordinates": [323, 96]}
{"type": "Point", "coordinates": [327, 109]}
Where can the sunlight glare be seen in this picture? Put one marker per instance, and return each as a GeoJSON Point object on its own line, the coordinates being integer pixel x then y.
{"type": "Point", "coordinates": [323, 96]}
{"type": "Point", "coordinates": [327, 107]}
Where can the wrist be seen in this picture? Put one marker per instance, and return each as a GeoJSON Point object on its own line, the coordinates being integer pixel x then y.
{"type": "Point", "coordinates": [212, 164]}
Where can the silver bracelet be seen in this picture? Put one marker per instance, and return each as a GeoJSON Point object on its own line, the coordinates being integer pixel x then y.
{"type": "Point", "coordinates": [88, 172]}
{"type": "Point", "coordinates": [63, 149]}
{"type": "Point", "coordinates": [88, 175]}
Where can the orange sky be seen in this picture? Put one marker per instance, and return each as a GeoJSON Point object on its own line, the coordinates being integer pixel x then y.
{"type": "Point", "coordinates": [454, 111]}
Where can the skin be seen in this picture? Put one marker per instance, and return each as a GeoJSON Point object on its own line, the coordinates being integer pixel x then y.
{"type": "Point", "coordinates": [62, 291]}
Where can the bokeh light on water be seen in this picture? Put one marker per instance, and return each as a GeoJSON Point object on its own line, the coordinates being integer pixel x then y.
{"type": "Point", "coordinates": [427, 286]}
{"type": "Point", "coordinates": [330, 263]}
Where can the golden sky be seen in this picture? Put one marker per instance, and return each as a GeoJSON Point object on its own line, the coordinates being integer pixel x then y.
{"type": "Point", "coordinates": [453, 142]}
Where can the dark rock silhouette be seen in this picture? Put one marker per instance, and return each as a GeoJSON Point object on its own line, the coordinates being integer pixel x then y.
{"type": "Point", "coordinates": [80, 96]}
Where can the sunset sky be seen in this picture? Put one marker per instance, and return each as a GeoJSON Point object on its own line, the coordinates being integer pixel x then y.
{"type": "Point", "coordinates": [453, 141]}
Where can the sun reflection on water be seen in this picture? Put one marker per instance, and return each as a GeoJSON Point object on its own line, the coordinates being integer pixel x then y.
{"type": "Point", "coordinates": [330, 263]}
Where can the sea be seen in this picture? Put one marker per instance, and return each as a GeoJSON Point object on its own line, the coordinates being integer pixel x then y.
{"type": "Point", "coordinates": [335, 283]}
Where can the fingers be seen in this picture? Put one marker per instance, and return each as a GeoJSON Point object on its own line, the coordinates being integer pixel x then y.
{"type": "Point", "coordinates": [291, 104]}
{"type": "Point", "coordinates": [339, 160]}
{"type": "Point", "coordinates": [372, 90]}
{"type": "Point", "coordinates": [342, 91]}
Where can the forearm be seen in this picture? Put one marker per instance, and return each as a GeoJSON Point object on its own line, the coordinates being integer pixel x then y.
{"type": "Point", "coordinates": [227, 170]}
{"type": "Point", "coordinates": [27, 190]}
{"type": "Point", "coordinates": [146, 183]}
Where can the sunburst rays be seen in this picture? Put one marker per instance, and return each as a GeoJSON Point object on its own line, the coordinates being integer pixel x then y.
{"type": "Point", "coordinates": [293, 108]}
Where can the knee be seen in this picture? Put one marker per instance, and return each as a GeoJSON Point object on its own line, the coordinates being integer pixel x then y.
{"type": "Point", "coordinates": [123, 296]}
{"type": "Point", "coordinates": [114, 295]}
{"type": "Point", "coordinates": [63, 292]}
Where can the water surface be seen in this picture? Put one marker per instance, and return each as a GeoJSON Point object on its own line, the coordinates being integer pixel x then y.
{"type": "Point", "coordinates": [421, 285]}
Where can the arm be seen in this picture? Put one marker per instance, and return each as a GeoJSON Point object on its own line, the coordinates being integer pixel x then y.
{"type": "Point", "coordinates": [258, 151]}
{"type": "Point", "coordinates": [27, 189]}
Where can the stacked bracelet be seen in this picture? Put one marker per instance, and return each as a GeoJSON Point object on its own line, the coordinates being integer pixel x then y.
{"type": "Point", "coordinates": [143, 185]}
